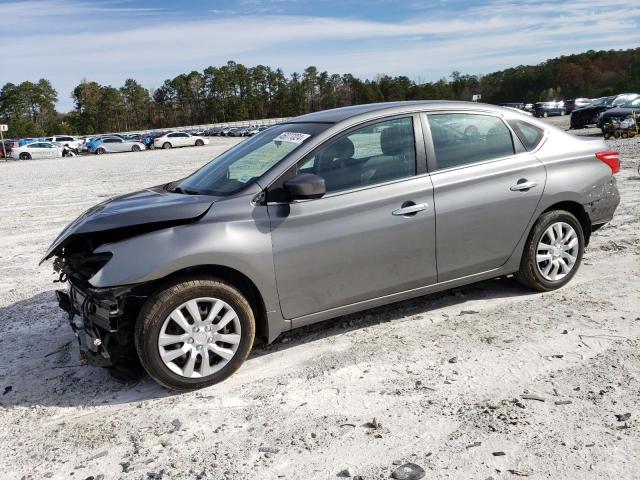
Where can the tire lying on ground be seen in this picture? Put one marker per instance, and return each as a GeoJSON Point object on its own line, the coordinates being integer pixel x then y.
{"type": "Point", "coordinates": [194, 332]}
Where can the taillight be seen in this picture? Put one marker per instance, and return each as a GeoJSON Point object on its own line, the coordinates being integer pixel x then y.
{"type": "Point", "coordinates": [611, 158]}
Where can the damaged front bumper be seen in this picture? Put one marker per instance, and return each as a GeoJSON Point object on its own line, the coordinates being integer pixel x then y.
{"type": "Point", "coordinates": [97, 317]}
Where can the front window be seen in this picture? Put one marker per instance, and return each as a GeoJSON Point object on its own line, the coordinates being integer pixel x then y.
{"type": "Point", "coordinates": [374, 154]}
{"type": "Point", "coordinates": [249, 160]}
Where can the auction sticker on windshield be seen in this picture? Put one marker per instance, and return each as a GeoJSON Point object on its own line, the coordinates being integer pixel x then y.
{"type": "Point", "coordinates": [291, 137]}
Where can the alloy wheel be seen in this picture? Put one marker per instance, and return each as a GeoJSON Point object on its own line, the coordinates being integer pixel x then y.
{"type": "Point", "coordinates": [199, 337]}
{"type": "Point", "coordinates": [557, 251]}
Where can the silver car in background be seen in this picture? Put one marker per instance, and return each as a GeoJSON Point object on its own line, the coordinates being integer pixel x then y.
{"type": "Point", "coordinates": [118, 145]}
{"type": "Point", "coordinates": [324, 215]}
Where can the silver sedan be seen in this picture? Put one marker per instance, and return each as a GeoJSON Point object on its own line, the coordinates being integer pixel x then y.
{"type": "Point", "coordinates": [117, 144]}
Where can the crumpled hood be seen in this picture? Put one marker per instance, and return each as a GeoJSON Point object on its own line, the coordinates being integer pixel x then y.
{"type": "Point", "coordinates": [152, 206]}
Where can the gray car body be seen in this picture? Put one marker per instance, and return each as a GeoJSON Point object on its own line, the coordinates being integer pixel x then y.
{"type": "Point", "coordinates": [317, 259]}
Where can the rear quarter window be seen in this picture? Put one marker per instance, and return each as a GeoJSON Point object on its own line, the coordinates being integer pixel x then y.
{"type": "Point", "coordinates": [530, 135]}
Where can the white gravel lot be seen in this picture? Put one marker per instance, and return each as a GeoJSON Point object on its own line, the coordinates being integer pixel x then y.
{"type": "Point", "coordinates": [443, 375]}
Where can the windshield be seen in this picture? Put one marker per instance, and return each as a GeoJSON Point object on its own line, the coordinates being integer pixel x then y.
{"type": "Point", "coordinates": [249, 160]}
{"type": "Point", "coordinates": [632, 104]}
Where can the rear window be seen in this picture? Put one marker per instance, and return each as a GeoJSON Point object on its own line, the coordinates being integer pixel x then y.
{"type": "Point", "coordinates": [529, 135]}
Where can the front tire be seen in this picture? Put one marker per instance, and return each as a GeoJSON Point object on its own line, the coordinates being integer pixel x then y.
{"type": "Point", "coordinates": [194, 333]}
{"type": "Point", "coordinates": [166, 145]}
{"type": "Point", "coordinates": [199, 143]}
{"type": "Point", "coordinates": [25, 156]}
{"type": "Point", "coordinates": [100, 151]}
{"type": "Point", "coordinates": [553, 252]}
{"type": "Point", "coordinates": [135, 148]}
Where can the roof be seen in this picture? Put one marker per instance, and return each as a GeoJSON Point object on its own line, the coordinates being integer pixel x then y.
{"type": "Point", "coordinates": [336, 115]}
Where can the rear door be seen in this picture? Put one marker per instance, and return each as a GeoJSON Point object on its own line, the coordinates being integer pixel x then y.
{"type": "Point", "coordinates": [355, 243]}
{"type": "Point", "coordinates": [486, 189]}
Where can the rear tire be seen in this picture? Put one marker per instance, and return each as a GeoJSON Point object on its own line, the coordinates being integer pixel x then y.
{"type": "Point", "coordinates": [156, 320]}
{"type": "Point", "coordinates": [25, 156]}
{"type": "Point", "coordinates": [166, 145]}
{"type": "Point", "coordinates": [531, 273]}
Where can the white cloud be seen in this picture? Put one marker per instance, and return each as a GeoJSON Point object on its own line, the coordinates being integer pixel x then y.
{"type": "Point", "coordinates": [115, 42]}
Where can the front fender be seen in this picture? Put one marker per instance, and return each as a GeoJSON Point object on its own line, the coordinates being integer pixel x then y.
{"type": "Point", "coordinates": [234, 234]}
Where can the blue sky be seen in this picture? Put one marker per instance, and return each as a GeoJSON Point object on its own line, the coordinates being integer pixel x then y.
{"type": "Point", "coordinates": [108, 41]}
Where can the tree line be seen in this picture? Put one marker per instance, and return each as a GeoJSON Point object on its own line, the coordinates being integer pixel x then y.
{"type": "Point", "coordinates": [236, 92]}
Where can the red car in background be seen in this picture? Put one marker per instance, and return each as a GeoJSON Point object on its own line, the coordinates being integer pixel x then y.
{"type": "Point", "coordinates": [8, 146]}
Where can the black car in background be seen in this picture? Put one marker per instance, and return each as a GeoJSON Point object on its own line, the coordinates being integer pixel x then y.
{"type": "Point", "coordinates": [582, 117]}
{"type": "Point", "coordinates": [574, 104]}
{"type": "Point", "coordinates": [548, 109]}
{"type": "Point", "coordinates": [620, 112]}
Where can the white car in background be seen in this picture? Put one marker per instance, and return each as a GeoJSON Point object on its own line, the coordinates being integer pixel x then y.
{"type": "Point", "coordinates": [116, 145]}
{"type": "Point", "coordinates": [67, 141]}
{"type": "Point", "coordinates": [179, 139]}
{"type": "Point", "coordinates": [38, 150]}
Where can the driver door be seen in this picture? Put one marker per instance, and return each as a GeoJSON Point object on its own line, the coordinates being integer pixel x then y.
{"type": "Point", "coordinates": [355, 244]}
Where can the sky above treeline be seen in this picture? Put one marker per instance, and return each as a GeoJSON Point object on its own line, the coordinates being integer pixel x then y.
{"type": "Point", "coordinates": [108, 41]}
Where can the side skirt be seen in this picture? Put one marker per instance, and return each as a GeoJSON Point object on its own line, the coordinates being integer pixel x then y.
{"type": "Point", "coordinates": [397, 297]}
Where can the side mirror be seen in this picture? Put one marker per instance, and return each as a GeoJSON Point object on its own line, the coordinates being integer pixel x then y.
{"type": "Point", "coordinates": [305, 186]}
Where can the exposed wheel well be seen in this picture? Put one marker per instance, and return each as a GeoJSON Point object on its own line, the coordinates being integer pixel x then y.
{"type": "Point", "coordinates": [578, 211]}
{"type": "Point", "coordinates": [235, 278]}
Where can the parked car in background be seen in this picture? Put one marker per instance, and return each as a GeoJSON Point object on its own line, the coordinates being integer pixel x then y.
{"type": "Point", "coordinates": [90, 144]}
{"type": "Point", "coordinates": [282, 230]}
{"type": "Point", "coordinates": [571, 105]}
{"type": "Point", "coordinates": [620, 112]}
{"type": "Point", "coordinates": [36, 150]}
{"type": "Point", "coordinates": [548, 109]}
{"type": "Point", "coordinates": [117, 145]}
{"type": "Point", "coordinates": [251, 131]}
{"type": "Point", "coordinates": [213, 132]}
{"type": "Point", "coordinates": [150, 137]}
{"type": "Point", "coordinates": [25, 141]}
{"type": "Point", "coordinates": [179, 139]}
{"type": "Point", "coordinates": [225, 131]}
{"type": "Point", "coordinates": [8, 146]}
{"type": "Point", "coordinates": [588, 115]}
{"type": "Point", "coordinates": [73, 143]}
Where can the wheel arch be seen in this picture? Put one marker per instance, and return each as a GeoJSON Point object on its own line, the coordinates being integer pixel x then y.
{"type": "Point", "coordinates": [234, 277]}
{"type": "Point", "coordinates": [578, 211]}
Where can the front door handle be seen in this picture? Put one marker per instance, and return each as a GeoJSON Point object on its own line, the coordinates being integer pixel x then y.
{"type": "Point", "coordinates": [409, 208]}
{"type": "Point", "coordinates": [523, 185]}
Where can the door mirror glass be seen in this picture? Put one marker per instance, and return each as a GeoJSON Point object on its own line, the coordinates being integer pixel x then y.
{"type": "Point", "coordinates": [305, 186]}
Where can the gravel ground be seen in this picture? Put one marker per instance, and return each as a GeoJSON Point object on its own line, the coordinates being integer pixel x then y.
{"type": "Point", "coordinates": [441, 381]}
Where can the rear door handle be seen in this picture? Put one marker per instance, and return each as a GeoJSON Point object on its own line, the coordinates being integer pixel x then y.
{"type": "Point", "coordinates": [409, 209]}
{"type": "Point", "coordinates": [523, 185]}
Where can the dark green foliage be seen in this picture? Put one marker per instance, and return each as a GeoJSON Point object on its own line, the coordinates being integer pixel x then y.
{"type": "Point", "coordinates": [236, 92]}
